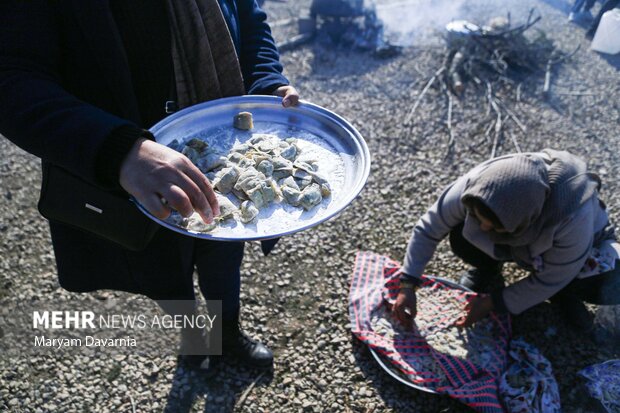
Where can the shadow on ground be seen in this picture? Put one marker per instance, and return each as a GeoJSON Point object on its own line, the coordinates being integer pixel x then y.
{"type": "Point", "coordinates": [222, 391]}
{"type": "Point", "coordinates": [561, 5]}
{"type": "Point", "coordinates": [613, 60]}
{"type": "Point", "coordinates": [334, 61]}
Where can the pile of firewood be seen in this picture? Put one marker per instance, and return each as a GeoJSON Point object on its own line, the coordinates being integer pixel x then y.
{"type": "Point", "coordinates": [493, 59]}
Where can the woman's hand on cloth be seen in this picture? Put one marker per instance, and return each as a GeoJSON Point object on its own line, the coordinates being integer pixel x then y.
{"type": "Point", "coordinates": [479, 307]}
{"type": "Point", "coordinates": [161, 178]}
{"type": "Point", "coordinates": [404, 308]}
{"type": "Point", "coordinates": [289, 95]}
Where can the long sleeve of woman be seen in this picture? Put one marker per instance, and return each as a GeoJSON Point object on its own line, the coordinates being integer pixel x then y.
{"type": "Point", "coordinates": [259, 57]}
{"type": "Point", "coordinates": [558, 266]}
{"type": "Point", "coordinates": [433, 226]}
{"type": "Point", "coordinates": [37, 113]}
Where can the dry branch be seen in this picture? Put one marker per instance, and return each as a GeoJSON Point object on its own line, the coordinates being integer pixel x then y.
{"type": "Point", "coordinates": [246, 393]}
{"type": "Point", "coordinates": [551, 62]}
{"type": "Point", "coordinates": [421, 95]}
{"type": "Point", "coordinates": [515, 142]}
{"type": "Point", "coordinates": [487, 133]}
{"type": "Point", "coordinates": [133, 404]}
{"type": "Point", "coordinates": [449, 124]}
{"type": "Point", "coordinates": [512, 115]}
{"type": "Point", "coordinates": [575, 94]}
{"type": "Point", "coordinates": [497, 62]}
{"type": "Point", "coordinates": [498, 127]}
{"type": "Point", "coordinates": [547, 84]}
{"type": "Point", "coordinates": [295, 41]}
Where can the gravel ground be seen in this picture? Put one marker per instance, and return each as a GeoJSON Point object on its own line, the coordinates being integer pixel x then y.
{"type": "Point", "coordinates": [296, 299]}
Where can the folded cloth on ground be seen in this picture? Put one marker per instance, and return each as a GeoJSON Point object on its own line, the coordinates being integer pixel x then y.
{"type": "Point", "coordinates": [528, 385]}
{"type": "Point", "coordinates": [463, 364]}
{"type": "Point", "coordinates": [607, 321]}
{"type": "Point", "coordinates": [602, 259]}
{"type": "Point", "coordinates": [603, 383]}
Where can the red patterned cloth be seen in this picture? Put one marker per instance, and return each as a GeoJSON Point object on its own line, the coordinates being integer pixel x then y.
{"type": "Point", "coordinates": [472, 378]}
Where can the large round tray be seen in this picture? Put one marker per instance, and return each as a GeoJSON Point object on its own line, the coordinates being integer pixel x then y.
{"type": "Point", "coordinates": [389, 369]}
{"type": "Point", "coordinates": [322, 126]}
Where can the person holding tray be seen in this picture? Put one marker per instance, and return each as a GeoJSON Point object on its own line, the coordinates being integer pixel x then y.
{"type": "Point", "coordinates": [80, 82]}
{"type": "Point", "coordinates": [540, 210]}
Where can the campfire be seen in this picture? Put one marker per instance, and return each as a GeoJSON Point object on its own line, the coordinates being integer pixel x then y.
{"type": "Point", "coordinates": [495, 60]}
{"type": "Point", "coordinates": [498, 61]}
{"type": "Point", "coordinates": [346, 23]}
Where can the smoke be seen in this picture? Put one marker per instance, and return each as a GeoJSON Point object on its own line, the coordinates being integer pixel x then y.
{"type": "Point", "coordinates": [417, 22]}
{"type": "Point", "coordinates": [421, 22]}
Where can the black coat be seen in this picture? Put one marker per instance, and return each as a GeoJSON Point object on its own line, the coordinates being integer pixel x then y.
{"type": "Point", "coordinates": [65, 84]}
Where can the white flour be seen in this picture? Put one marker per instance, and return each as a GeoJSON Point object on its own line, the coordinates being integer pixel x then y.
{"type": "Point", "coordinates": [279, 217]}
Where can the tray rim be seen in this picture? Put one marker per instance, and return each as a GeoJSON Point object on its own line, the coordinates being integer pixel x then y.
{"type": "Point", "coordinates": [380, 361]}
{"type": "Point", "coordinates": [257, 99]}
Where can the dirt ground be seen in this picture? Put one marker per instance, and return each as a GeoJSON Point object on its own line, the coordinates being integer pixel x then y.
{"type": "Point", "coordinates": [296, 299]}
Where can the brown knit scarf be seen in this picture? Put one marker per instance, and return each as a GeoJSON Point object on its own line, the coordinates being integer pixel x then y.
{"type": "Point", "coordinates": [205, 62]}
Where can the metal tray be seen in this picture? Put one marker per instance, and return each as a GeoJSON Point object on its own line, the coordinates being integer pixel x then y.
{"type": "Point", "coordinates": [212, 122]}
{"type": "Point", "coordinates": [391, 370]}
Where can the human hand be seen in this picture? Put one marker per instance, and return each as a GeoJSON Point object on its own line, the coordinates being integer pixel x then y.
{"type": "Point", "coordinates": [479, 307]}
{"type": "Point", "coordinates": [404, 308]}
{"type": "Point", "coordinates": [161, 178]}
{"type": "Point", "coordinates": [289, 95]}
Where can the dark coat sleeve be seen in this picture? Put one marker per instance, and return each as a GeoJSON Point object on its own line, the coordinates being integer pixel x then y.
{"type": "Point", "coordinates": [259, 57]}
{"type": "Point", "coordinates": [36, 112]}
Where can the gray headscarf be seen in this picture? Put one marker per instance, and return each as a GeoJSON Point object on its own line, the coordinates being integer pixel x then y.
{"type": "Point", "coordinates": [528, 193]}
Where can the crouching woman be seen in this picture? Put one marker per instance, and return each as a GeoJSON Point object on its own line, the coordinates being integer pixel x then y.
{"type": "Point", "coordinates": [540, 210]}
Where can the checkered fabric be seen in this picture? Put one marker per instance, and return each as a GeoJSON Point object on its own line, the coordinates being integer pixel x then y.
{"type": "Point", "coordinates": [374, 284]}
